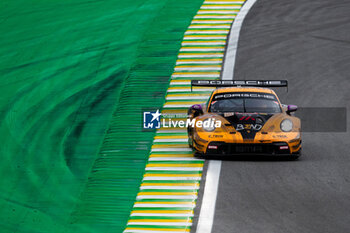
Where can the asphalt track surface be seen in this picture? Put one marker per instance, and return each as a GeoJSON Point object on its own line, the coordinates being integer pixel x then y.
{"type": "Point", "coordinates": [308, 43]}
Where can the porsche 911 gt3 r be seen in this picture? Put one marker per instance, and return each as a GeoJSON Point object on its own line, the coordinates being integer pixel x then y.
{"type": "Point", "coordinates": [254, 122]}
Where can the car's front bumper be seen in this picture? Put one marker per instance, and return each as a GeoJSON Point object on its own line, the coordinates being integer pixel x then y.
{"type": "Point", "coordinates": [275, 148]}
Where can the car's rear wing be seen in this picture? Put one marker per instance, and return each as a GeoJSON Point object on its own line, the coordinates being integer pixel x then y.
{"type": "Point", "coordinates": [237, 83]}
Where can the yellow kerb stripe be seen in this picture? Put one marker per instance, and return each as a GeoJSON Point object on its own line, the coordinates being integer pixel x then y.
{"type": "Point", "coordinates": [157, 229]}
{"type": "Point", "coordinates": [164, 211]}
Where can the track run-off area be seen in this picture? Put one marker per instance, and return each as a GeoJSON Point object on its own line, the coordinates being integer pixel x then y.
{"type": "Point", "coordinates": [170, 185]}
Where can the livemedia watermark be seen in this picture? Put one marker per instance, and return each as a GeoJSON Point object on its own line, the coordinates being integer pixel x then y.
{"type": "Point", "coordinates": [156, 120]}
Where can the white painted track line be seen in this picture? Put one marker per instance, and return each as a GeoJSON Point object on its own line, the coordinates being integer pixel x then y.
{"type": "Point", "coordinates": [206, 216]}
{"type": "Point", "coordinates": [230, 55]}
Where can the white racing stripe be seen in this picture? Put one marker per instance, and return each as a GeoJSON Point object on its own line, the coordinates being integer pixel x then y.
{"type": "Point", "coordinates": [216, 16]}
{"type": "Point", "coordinates": [191, 98]}
{"type": "Point", "coordinates": [203, 43]}
{"type": "Point", "coordinates": [166, 197]}
{"type": "Point", "coordinates": [165, 205]}
{"type": "Point", "coordinates": [184, 75]}
{"type": "Point", "coordinates": [177, 105]}
{"type": "Point", "coordinates": [201, 55]}
{"type": "Point", "coordinates": [171, 149]}
{"type": "Point", "coordinates": [172, 83]}
{"type": "Point", "coordinates": [193, 61]}
{"type": "Point", "coordinates": [210, 26]}
{"type": "Point", "coordinates": [198, 68]}
{"type": "Point", "coordinates": [193, 32]}
{"type": "Point", "coordinates": [184, 178]}
{"type": "Point", "coordinates": [161, 224]}
{"type": "Point", "coordinates": [211, 21]}
{"type": "Point", "coordinates": [201, 49]}
{"type": "Point", "coordinates": [203, 37]}
{"type": "Point", "coordinates": [189, 90]}
{"type": "Point", "coordinates": [221, 7]}
{"type": "Point", "coordinates": [200, 12]}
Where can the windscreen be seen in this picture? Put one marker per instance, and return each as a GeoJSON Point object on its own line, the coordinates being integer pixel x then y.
{"type": "Point", "coordinates": [245, 102]}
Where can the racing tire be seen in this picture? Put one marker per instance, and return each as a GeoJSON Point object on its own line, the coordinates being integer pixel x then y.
{"type": "Point", "coordinates": [190, 142]}
{"type": "Point", "coordinates": [198, 155]}
{"type": "Point", "coordinates": [296, 156]}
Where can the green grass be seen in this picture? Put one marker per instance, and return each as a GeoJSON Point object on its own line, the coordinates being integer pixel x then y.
{"type": "Point", "coordinates": [63, 67]}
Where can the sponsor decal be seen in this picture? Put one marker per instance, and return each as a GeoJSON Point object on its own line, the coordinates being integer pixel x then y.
{"type": "Point", "coordinates": [228, 114]}
{"type": "Point", "coordinates": [267, 83]}
{"type": "Point", "coordinates": [279, 136]}
{"type": "Point", "coordinates": [255, 127]}
{"type": "Point", "coordinates": [215, 136]}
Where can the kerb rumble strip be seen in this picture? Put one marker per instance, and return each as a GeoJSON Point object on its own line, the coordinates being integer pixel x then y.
{"type": "Point", "coordinates": [168, 193]}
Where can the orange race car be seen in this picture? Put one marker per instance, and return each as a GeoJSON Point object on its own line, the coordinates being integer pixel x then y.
{"type": "Point", "coordinates": [245, 118]}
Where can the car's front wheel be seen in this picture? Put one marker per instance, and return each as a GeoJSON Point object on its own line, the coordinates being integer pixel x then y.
{"type": "Point", "coordinates": [295, 156]}
{"type": "Point", "coordinates": [190, 142]}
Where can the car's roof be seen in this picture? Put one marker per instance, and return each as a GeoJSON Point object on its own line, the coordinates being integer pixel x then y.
{"type": "Point", "coordinates": [244, 89]}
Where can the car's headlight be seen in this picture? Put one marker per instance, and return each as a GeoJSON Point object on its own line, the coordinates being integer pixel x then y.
{"type": "Point", "coordinates": [286, 125]}
{"type": "Point", "coordinates": [208, 125]}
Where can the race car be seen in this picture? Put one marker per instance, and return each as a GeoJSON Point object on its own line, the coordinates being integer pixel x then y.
{"type": "Point", "coordinates": [253, 121]}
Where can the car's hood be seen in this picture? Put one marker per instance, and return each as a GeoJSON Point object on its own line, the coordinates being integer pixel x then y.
{"type": "Point", "coordinates": [248, 124]}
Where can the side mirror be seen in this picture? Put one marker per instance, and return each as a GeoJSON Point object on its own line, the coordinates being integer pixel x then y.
{"type": "Point", "coordinates": [291, 108]}
{"type": "Point", "coordinates": [195, 110]}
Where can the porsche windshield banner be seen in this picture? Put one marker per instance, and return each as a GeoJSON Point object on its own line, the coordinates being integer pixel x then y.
{"type": "Point", "coordinates": [244, 95]}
